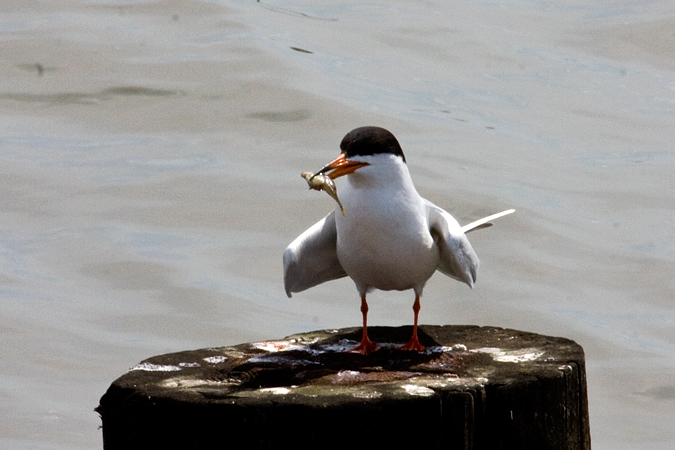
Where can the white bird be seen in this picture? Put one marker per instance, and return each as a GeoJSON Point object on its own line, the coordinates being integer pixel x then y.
{"type": "Point", "coordinates": [390, 237]}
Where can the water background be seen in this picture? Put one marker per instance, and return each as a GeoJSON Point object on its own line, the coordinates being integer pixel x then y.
{"type": "Point", "coordinates": [150, 155]}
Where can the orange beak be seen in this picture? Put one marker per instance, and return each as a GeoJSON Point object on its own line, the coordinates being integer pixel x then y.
{"type": "Point", "coordinates": [341, 166]}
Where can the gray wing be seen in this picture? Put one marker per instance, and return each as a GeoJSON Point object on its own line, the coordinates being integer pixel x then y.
{"type": "Point", "coordinates": [457, 258]}
{"type": "Point", "coordinates": [311, 258]}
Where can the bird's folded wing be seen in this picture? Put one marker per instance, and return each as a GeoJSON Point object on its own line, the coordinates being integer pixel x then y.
{"type": "Point", "coordinates": [457, 258]}
{"type": "Point", "coordinates": [311, 258]}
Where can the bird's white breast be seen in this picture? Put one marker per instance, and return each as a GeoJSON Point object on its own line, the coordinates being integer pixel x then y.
{"type": "Point", "coordinates": [384, 242]}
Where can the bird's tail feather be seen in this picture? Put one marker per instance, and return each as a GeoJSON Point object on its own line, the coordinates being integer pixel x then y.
{"type": "Point", "coordinates": [483, 223]}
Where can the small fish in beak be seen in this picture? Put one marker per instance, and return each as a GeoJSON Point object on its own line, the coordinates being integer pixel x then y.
{"type": "Point", "coordinates": [323, 179]}
{"type": "Point", "coordinates": [321, 182]}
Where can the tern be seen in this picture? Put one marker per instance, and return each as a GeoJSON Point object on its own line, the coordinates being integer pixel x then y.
{"type": "Point", "coordinates": [390, 238]}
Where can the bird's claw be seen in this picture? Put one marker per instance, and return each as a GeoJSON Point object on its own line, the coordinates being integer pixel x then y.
{"type": "Point", "coordinates": [413, 345]}
{"type": "Point", "coordinates": [365, 347]}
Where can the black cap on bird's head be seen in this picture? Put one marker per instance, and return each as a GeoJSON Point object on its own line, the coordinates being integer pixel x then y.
{"type": "Point", "coordinates": [364, 141]}
{"type": "Point", "coordinates": [370, 141]}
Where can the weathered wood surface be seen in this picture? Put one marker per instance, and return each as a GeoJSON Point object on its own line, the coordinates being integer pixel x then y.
{"type": "Point", "coordinates": [474, 388]}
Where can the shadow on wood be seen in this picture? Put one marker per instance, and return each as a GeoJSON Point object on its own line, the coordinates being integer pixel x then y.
{"type": "Point", "coordinates": [474, 388]}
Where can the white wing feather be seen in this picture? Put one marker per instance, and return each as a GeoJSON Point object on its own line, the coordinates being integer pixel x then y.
{"type": "Point", "coordinates": [311, 258]}
{"type": "Point", "coordinates": [457, 258]}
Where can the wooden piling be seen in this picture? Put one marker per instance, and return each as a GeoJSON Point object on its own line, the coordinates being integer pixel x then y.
{"type": "Point", "coordinates": [475, 388]}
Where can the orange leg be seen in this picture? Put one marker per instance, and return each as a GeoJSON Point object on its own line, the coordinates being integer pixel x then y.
{"type": "Point", "coordinates": [414, 343]}
{"type": "Point", "coordinates": [366, 346]}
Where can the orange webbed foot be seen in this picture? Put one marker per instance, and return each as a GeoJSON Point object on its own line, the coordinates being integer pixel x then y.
{"type": "Point", "coordinates": [413, 345]}
{"type": "Point", "coordinates": [365, 347]}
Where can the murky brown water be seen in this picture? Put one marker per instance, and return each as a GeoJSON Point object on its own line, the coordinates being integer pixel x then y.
{"type": "Point", "coordinates": [150, 156]}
